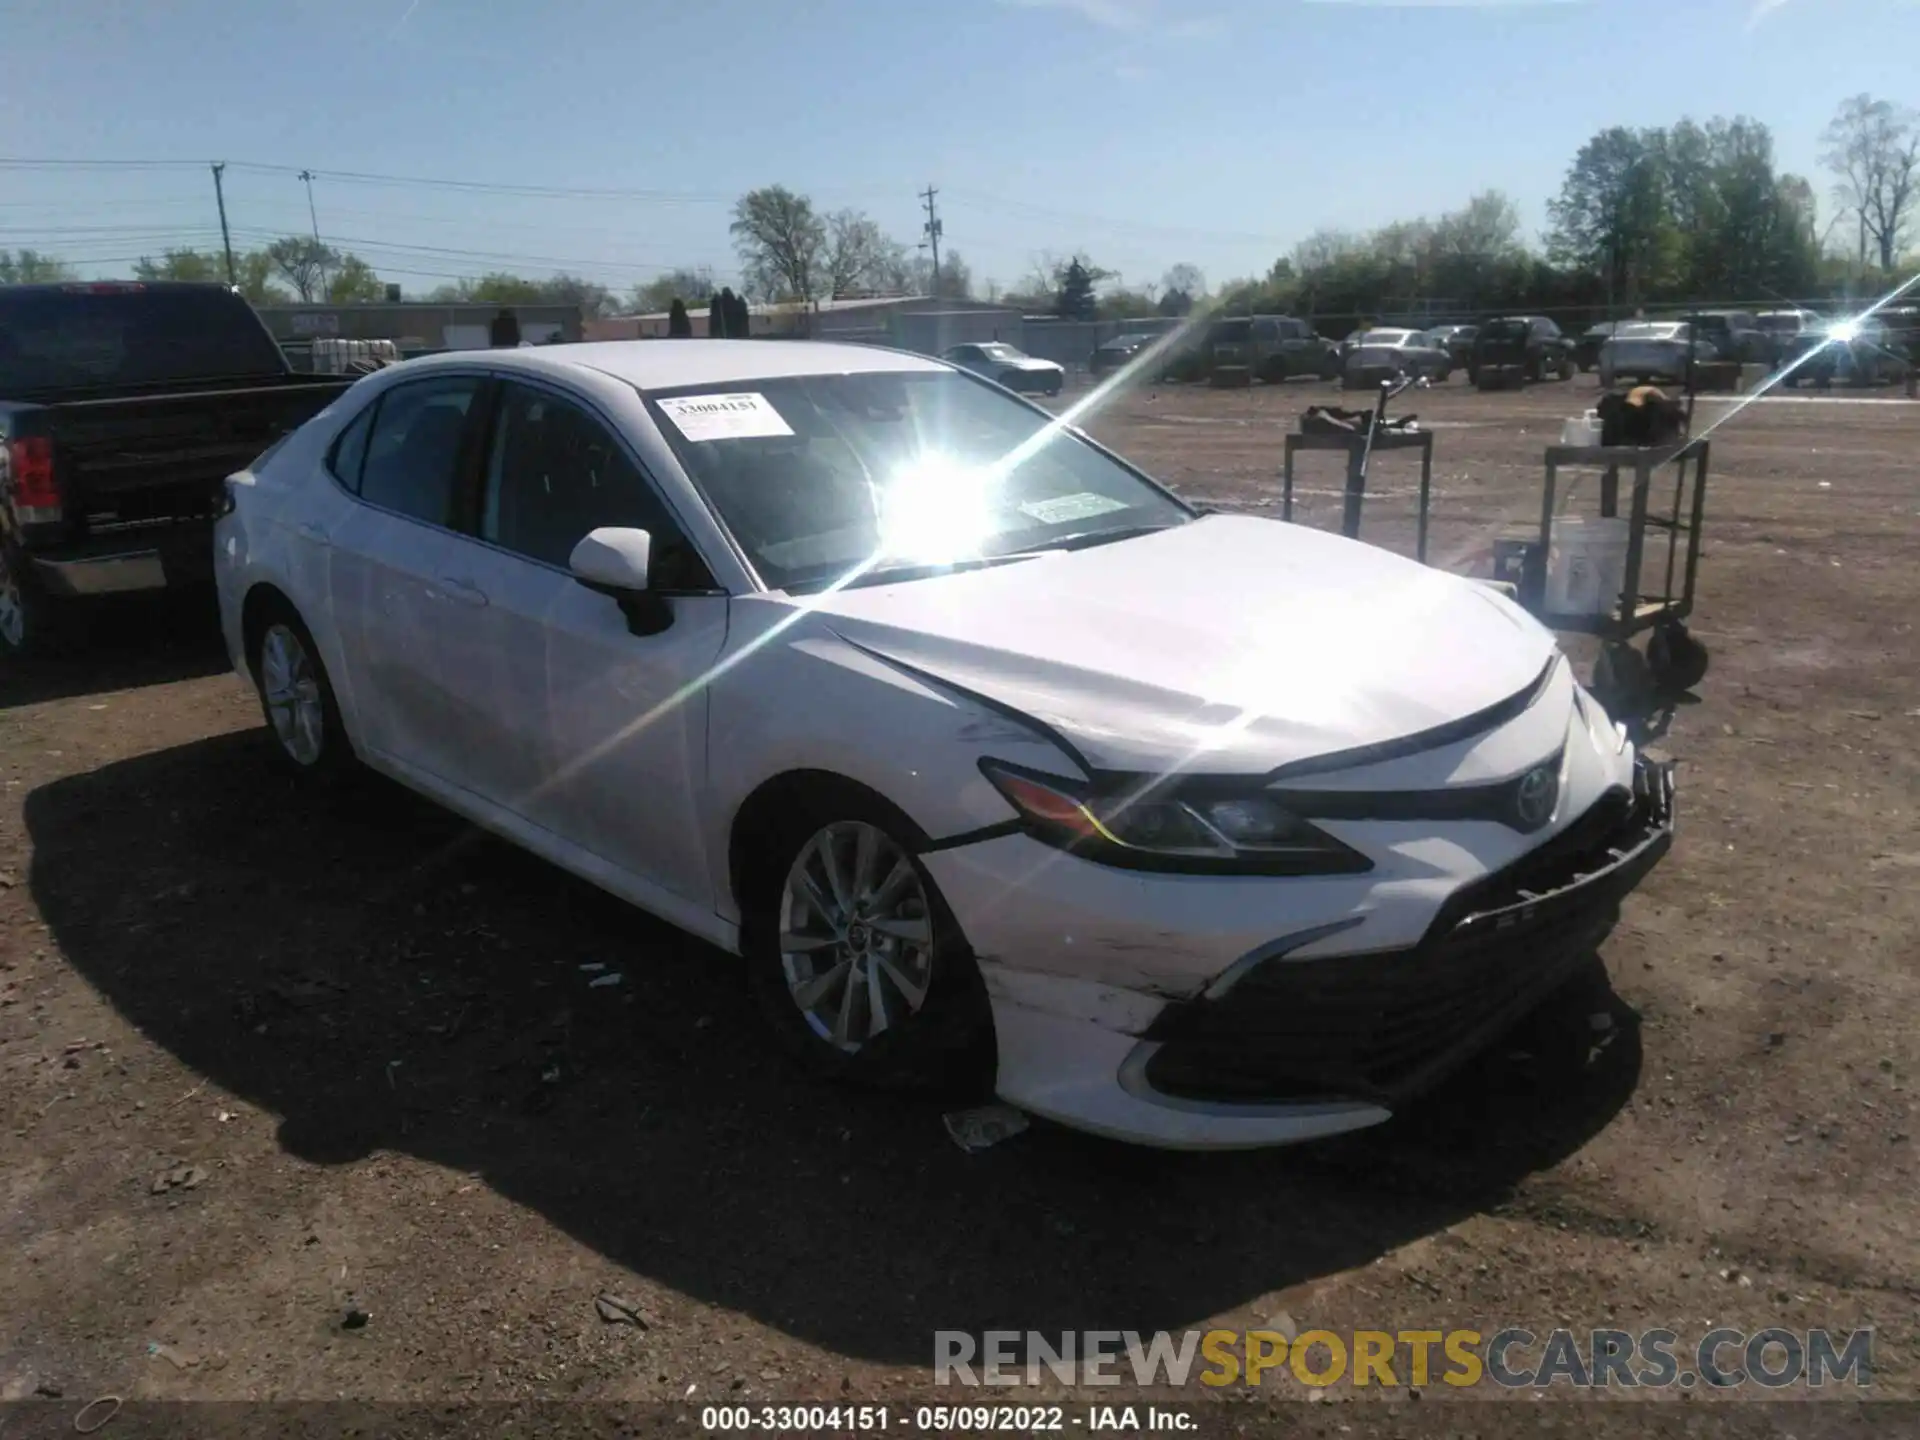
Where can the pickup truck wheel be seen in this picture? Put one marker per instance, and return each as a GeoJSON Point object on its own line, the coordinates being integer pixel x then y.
{"type": "Point", "coordinates": [306, 737]}
{"type": "Point", "coordinates": [29, 617]}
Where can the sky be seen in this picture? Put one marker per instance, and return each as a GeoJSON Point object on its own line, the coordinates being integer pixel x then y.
{"type": "Point", "coordinates": [611, 137]}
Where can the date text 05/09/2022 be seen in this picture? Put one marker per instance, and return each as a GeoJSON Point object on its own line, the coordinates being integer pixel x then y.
{"type": "Point", "coordinates": [947, 1419]}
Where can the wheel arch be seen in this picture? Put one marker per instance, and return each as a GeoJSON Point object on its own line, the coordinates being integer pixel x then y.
{"type": "Point", "coordinates": [768, 808]}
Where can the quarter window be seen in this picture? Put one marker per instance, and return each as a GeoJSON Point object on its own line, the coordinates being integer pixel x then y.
{"type": "Point", "coordinates": [350, 449]}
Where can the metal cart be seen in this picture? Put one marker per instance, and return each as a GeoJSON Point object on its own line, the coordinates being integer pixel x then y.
{"type": "Point", "coordinates": [1674, 661]}
{"type": "Point", "coordinates": [1356, 447]}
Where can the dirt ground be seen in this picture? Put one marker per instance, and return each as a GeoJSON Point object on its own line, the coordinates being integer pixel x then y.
{"type": "Point", "coordinates": [318, 1103]}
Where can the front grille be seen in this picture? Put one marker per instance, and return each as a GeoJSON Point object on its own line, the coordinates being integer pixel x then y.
{"type": "Point", "coordinates": [1383, 1027]}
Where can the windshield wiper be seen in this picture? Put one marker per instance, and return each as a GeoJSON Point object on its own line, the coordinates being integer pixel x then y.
{"type": "Point", "coordinates": [894, 574]}
{"type": "Point", "coordinates": [1085, 539]}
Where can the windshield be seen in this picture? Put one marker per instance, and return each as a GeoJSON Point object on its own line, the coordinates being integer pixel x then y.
{"type": "Point", "coordinates": [822, 478]}
{"type": "Point", "coordinates": [1650, 331]}
{"type": "Point", "coordinates": [1385, 337]}
{"type": "Point", "coordinates": [1232, 330]}
{"type": "Point", "coordinates": [78, 337]}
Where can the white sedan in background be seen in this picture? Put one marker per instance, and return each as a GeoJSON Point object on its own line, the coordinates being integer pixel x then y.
{"type": "Point", "coordinates": [1015, 369]}
{"type": "Point", "coordinates": [994, 760]}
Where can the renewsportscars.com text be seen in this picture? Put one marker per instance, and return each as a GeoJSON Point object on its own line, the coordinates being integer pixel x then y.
{"type": "Point", "coordinates": [1515, 1358]}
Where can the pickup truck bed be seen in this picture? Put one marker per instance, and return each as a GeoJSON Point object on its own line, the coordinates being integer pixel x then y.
{"type": "Point", "coordinates": [113, 462]}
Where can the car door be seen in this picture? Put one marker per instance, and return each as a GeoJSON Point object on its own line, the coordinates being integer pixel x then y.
{"type": "Point", "coordinates": [387, 554]}
{"type": "Point", "coordinates": [564, 716]}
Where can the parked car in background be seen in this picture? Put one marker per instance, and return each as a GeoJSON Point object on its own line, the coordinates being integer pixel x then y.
{"type": "Point", "coordinates": [124, 406]}
{"type": "Point", "coordinates": [1015, 369]}
{"type": "Point", "coordinates": [1456, 340]}
{"type": "Point", "coordinates": [1736, 334]}
{"type": "Point", "coordinates": [1642, 352]}
{"type": "Point", "coordinates": [1388, 354]}
{"type": "Point", "coordinates": [1532, 342]}
{"type": "Point", "coordinates": [1118, 352]}
{"type": "Point", "coordinates": [1783, 329]}
{"type": "Point", "coordinates": [1273, 347]}
{"type": "Point", "coordinates": [951, 666]}
{"type": "Point", "coordinates": [1850, 352]}
{"type": "Point", "coordinates": [1586, 350]}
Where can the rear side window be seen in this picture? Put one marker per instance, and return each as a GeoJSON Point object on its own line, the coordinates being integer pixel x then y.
{"type": "Point", "coordinates": [1265, 330]}
{"type": "Point", "coordinates": [350, 450]}
{"type": "Point", "coordinates": [413, 449]}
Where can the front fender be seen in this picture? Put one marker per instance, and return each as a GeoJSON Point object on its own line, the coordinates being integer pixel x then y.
{"type": "Point", "coordinates": [792, 695]}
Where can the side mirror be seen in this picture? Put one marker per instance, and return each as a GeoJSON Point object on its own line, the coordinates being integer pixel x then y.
{"type": "Point", "coordinates": [613, 561]}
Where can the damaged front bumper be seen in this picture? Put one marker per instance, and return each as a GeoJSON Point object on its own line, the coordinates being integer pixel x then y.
{"type": "Point", "coordinates": [1303, 1040]}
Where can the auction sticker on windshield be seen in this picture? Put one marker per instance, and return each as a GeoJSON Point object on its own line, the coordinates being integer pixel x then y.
{"type": "Point", "coordinates": [745, 416]}
{"type": "Point", "coordinates": [1063, 508]}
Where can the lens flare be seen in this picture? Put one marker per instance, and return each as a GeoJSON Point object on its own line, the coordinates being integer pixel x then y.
{"type": "Point", "coordinates": [937, 511]}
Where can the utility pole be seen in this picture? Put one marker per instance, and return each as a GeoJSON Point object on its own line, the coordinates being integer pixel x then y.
{"type": "Point", "coordinates": [932, 231]}
{"type": "Point", "coordinates": [220, 199]}
{"type": "Point", "coordinates": [312, 214]}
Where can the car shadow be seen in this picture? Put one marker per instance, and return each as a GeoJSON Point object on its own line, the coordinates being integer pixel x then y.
{"type": "Point", "coordinates": [379, 976]}
{"type": "Point", "coordinates": [123, 643]}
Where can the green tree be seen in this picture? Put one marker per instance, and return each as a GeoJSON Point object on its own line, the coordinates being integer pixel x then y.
{"type": "Point", "coordinates": [1075, 299]}
{"type": "Point", "coordinates": [679, 323]}
{"type": "Point", "coordinates": [1612, 217]}
{"type": "Point", "coordinates": [30, 267]}
{"type": "Point", "coordinates": [196, 265]}
{"type": "Point", "coordinates": [719, 313]}
{"type": "Point", "coordinates": [1873, 150]}
{"type": "Point", "coordinates": [739, 316]}
{"type": "Point", "coordinates": [253, 273]}
{"type": "Point", "coordinates": [780, 241]}
{"type": "Point", "coordinates": [353, 282]}
{"type": "Point", "coordinates": [658, 294]}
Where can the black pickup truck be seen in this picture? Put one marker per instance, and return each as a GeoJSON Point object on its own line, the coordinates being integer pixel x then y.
{"type": "Point", "coordinates": [123, 408]}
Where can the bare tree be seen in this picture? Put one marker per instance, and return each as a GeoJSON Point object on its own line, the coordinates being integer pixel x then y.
{"type": "Point", "coordinates": [780, 241]}
{"type": "Point", "coordinates": [859, 256]}
{"type": "Point", "coordinates": [303, 262]}
{"type": "Point", "coordinates": [1487, 227]}
{"type": "Point", "coordinates": [1873, 148]}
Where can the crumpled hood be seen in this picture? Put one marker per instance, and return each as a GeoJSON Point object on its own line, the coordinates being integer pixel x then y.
{"type": "Point", "coordinates": [1232, 645]}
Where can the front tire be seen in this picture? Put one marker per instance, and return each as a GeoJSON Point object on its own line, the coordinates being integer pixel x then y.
{"type": "Point", "coordinates": [306, 739]}
{"type": "Point", "coordinates": [856, 961]}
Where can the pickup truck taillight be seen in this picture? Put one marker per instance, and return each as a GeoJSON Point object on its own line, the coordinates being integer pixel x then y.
{"type": "Point", "coordinates": [36, 496]}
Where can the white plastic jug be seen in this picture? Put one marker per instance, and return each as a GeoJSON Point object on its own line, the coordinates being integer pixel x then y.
{"type": "Point", "coordinates": [1586, 566]}
{"type": "Point", "coordinates": [1582, 430]}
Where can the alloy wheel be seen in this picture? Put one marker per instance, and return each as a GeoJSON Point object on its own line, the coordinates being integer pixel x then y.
{"type": "Point", "coordinates": [290, 685]}
{"type": "Point", "coordinates": [856, 934]}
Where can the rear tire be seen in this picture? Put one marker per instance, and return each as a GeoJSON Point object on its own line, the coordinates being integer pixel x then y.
{"type": "Point", "coordinates": [305, 738]}
{"type": "Point", "coordinates": [843, 926]}
{"type": "Point", "coordinates": [32, 622]}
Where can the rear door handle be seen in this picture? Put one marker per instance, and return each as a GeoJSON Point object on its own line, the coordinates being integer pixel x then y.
{"type": "Point", "coordinates": [465, 591]}
{"type": "Point", "coordinates": [316, 533]}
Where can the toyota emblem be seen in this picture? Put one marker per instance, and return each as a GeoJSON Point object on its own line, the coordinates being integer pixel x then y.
{"type": "Point", "coordinates": [1534, 797]}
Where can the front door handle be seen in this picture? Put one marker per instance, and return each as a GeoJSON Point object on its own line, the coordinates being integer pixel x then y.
{"type": "Point", "coordinates": [316, 533]}
{"type": "Point", "coordinates": [465, 591]}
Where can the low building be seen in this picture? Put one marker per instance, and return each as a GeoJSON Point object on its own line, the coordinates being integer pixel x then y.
{"type": "Point", "coordinates": [418, 325]}
{"type": "Point", "coordinates": [908, 322]}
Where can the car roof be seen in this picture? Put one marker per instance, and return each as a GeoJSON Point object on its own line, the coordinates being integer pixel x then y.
{"type": "Point", "coordinates": [670, 364]}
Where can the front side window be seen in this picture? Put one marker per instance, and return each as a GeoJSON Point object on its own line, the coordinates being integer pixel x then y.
{"type": "Point", "coordinates": [555, 472]}
{"type": "Point", "coordinates": [413, 451]}
{"type": "Point", "coordinates": [1265, 330]}
{"type": "Point", "coordinates": [825, 478]}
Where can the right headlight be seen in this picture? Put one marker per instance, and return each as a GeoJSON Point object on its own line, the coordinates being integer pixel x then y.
{"type": "Point", "coordinates": [1170, 826]}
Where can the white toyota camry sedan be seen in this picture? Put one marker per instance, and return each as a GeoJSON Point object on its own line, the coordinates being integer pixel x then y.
{"type": "Point", "coordinates": [986, 753]}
